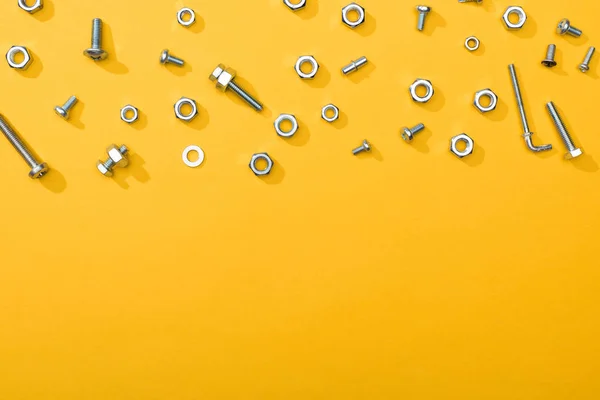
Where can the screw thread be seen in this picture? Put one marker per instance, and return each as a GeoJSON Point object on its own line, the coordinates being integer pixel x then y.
{"type": "Point", "coordinates": [109, 163]}
{"type": "Point", "coordinates": [550, 54]}
{"type": "Point", "coordinates": [97, 34]}
{"type": "Point", "coordinates": [358, 150]}
{"type": "Point", "coordinates": [560, 126]}
{"type": "Point", "coordinates": [517, 89]}
{"type": "Point", "coordinates": [17, 143]}
{"type": "Point", "coordinates": [417, 128]}
{"type": "Point", "coordinates": [70, 103]}
{"type": "Point", "coordinates": [421, 23]}
{"type": "Point", "coordinates": [245, 96]}
{"type": "Point", "coordinates": [574, 31]}
{"type": "Point", "coordinates": [175, 60]}
{"type": "Point", "coordinates": [589, 55]}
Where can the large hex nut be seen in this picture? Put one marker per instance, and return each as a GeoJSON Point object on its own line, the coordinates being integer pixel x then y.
{"type": "Point", "coordinates": [117, 157]}
{"type": "Point", "coordinates": [429, 92]}
{"type": "Point", "coordinates": [261, 157]}
{"type": "Point", "coordinates": [12, 53]}
{"type": "Point", "coordinates": [307, 60]}
{"type": "Point", "coordinates": [490, 95]}
{"type": "Point", "coordinates": [35, 7]}
{"type": "Point", "coordinates": [295, 5]}
{"type": "Point", "coordinates": [356, 8]}
{"type": "Point", "coordinates": [222, 76]}
{"type": "Point", "coordinates": [517, 11]}
{"type": "Point", "coordinates": [469, 145]}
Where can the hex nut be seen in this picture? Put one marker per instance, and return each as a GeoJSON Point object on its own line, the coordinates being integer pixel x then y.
{"type": "Point", "coordinates": [295, 6]}
{"type": "Point", "coordinates": [291, 119]}
{"type": "Point", "coordinates": [35, 7]}
{"type": "Point", "coordinates": [186, 11]}
{"type": "Point", "coordinates": [463, 137]}
{"type": "Point", "coordinates": [103, 170]}
{"type": "Point", "coordinates": [255, 159]}
{"type": "Point", "coordinates": [13, 51]}
{"type": "Point", "coordinates": [222, 76]}
{"type": "Point", "coordinates": [332, 107]}
{"type": "Point", "coordinates": [421, 83]}
{"type": "Point", "coordinates": [489, 94]}
{"type": "Point", "coordinates": [307, 60]}
{"type": "Point", "coordinates": [514, 10]}
{"type": "Point", "coordinates": [134, 111]}
{"type": "Point", "coordinates": [119, 159]}
{"type": "Point", "coordinates": [358, 9]}
{"type": "Point", "coordinates": [179, 105]}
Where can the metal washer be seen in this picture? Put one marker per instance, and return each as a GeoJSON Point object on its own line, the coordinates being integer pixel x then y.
{"type": "Point", "coordinates": [187, 151]}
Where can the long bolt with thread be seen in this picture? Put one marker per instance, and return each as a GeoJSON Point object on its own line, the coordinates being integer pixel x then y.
{"type": "Point", "coordinates": [572, 150]}
{"type": "Point", "coordinates": [38, 168]}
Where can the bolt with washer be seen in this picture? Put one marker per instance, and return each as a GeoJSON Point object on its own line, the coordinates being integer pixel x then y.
{"type": "Point", "coordinates": [186, 159]}
{"type": "Point", "coordinates": [184, 101]}
{"type": "Point", "coordinates": [96, 52]}
{"type": "Point", "coordinates": [35, 7]}
{"type": "Point", "coordinates": [462, 138]}
{"type": "Point", "coordinates": [549, 61]}
{"type": "Point", "coordinates": [256, 158]}
{"type": "Point", "coordinates": [224, 79]}
{"type": "Point", "coordinates": [129, 109]}
{"type": "Point", "coordinates": [117, 157]}
{"type": "Point", "coordinates": [302, 60]}
{"type": "Point", "coordinates": [429, 92]}
{"type": "Point", "coordinates": [487, 93]}
{"type": "Point", "coordinates": [38, 168]}
{"type": "Point", "coordinates": [280, 120]}
{"type": "Point", "coordinates": [181, 14]}
{"type": "Point", "coordinates": [572, 150]}
{"type": "Point", "coordinates": [356, 8]}
{"type": "Point", "coordinates": [423, 11]}
{"type": "Point", "coordinates": [364, 147]}
{"type": "Point", "coordinates": [519, 12]}
{"type": "Point", "coordinates": [12, 54]}
{"type": "Point", "coordinates": [64, 110]}
{"type": "Point", "coordinates": [335, 113]}
{"type": "Point", "coordinates": [408, 134]}
{"type": "Point", "coordinates": [295, 6]}
{"type": "Point", "coordinates": [475, 43]}
{"type": "Point", "coordinates": [565, 27]}
{"type": "Point", "coordinates": [354, 65]}
{"type": "Point", "coordinates": [166, 58]}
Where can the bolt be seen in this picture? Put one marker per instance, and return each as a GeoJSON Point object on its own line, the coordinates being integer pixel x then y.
{"type": "Point", "coordinates": [117, 157]}
{"type": "Point", "coordinates": [166, 58]}
{"type": "Point", "coordinates": [96, 52]}
{"type": "Point", "coordinates": [224, 79]}
{"type": "Point", "coordinates": [409, 134]}
{"type": "Point", "coordinates": [423, 11]}
{"type": "Point", "coordinates": [526, 133]}
{"type": "Point", "coordinates": [564, 134]}
{"type": "Point", "coordinates": [354, 65]}
{"type": "Point", "coordinates": [585, 65]}
{"type": "Point", "coordinates": [38, 169]}
{"type": "Point", "coordinates": [549, 60]}
{"type": "Point", "coordinates": [470, 1]}
{"type": "Point", "coordinates": [64, 110]}
{"type": "Point", "coordinates": [364, 147]}
{"type": "Point", "coordinates": [564, 26]}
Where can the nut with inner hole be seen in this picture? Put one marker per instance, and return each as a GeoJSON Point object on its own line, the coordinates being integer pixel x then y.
{"type": "Point", "coordinates": [280, 120]}
{"type": "Point", "coordinates": [472, 43]}
{"type": "Point", "coordinates": [488, 93]}
{"type": "Point", "coordinates": [11, 56]}
{"type": "Point", "coordinates": [35, 7]}
{"type": "Point", "coordinates": [295, 5]}
{"type": "Point", "coordinates": [182, 13]}
{"type": "Point", "coordinates": [335, 113]}
{"type": "Point", "coordinates": [462, 138]}
{"type": "Point", "coordinates": [179, 106]}
{"type": "Point", "coordinates": [129, 109]}
{"type": "Point", "coordinates": [428, 90]}
{"type": "Point", "coordinates": [514, 10]}
{"type": "Point", "coordinates": [353, 7]}
{"type": "Point", "coordinates": [254, 164]}
{"type": "Point", "coordinates": [307, 60]}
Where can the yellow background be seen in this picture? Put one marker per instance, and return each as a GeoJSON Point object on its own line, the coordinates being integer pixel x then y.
{"type": "Point", "coordinates": [402, 274]}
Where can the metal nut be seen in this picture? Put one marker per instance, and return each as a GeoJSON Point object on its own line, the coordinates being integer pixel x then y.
{"type": "Point", "coordinates": [421, 83]}
{"type": "Point", "coordinates": [286, 117]}
{"type": "Point", "coordinates": [490, 95]}
{"type": "Point", "coordinates": [514, 10]}
{"type": "Point", "coordinates": [307, 60]}
{"type": "Point", "coordinates": [183, 12]}
{"type": "Point", "coordinates": [470, 145]}
{"type": "Point", "coordinates": [13, 51]}
{"type": "Point", "coordinates": [294, 6]}
{"type": "Point", "coordinates": [222, 76]}
{"type": "Point", "coordinates": [356, 8]}
{"type": "Point", "coordinates": [330, 107]}
{"type": "Point", "coordinates": [135, 114]}
{"type": "Point", "coordinates": [254, 161]}
{"type": "Point", "coordinates": [179, 105]}
{"type": "Point", "coordinates": [36, 6]}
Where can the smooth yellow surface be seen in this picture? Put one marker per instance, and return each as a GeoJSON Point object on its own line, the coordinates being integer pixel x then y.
{"type": "Point", "coordinates": [403, 274]}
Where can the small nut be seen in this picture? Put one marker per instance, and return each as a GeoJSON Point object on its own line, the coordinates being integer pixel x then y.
{"type": "Point", "coordinates": [103, 170]}
{"type": "Point", "coordinates": [307, 60]}
{"type": "Point", "coordinates": [428, 94]}
{"type": "Point", "coordinates": [183, 12]}
{"type": "Point", "coordinates": [286, 117]}
{"type": "Point", "coordinates": [222, 76]}
{"type": "Point", "coordinates": [462, 138]}
{"type": "Point", "coordinates": [258, 157]}
{"type": "Point", "coordinates": [514, 10]}
{"type": "Point", "coordinates": [356, 8]}
{"type": "Point", "coordinates": [12, 52]}
{"type": "Point", "coordinates": [179, 105]}
{"type": "Point", "coordinates": [134, 111]}
{"type": "Point", "coordinates": [35, 7]}
{"type": "Point", "coordinates": [295, 5]}
{"type": "Point", "coordinates": [489, 94]}
{"type": "Point", "coordinates": [326, 109]}
{"type": "Point", "coordinates": [118, 158]}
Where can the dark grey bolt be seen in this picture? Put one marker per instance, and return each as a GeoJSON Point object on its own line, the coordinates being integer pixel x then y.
{"type": "Point", "coordinates": [38, 169]}
{"type": "Point", "coordinates": [550, 53]}
{"type": "Point", "coordinates": [585, 65]}
{"type": "Point", "coordinates": [96, 52]}
{"type": "Point", "coordinates": [409, 134]}
{"type": "Point", "coordinates": [423, 11]}
{"type": "Point", "coordinates": [166, 58]}
{"type": "Point", "coordinates": [564, 26]}
{"type": "Point", "coordinates": [64, 110]}
{"type": "Point", "coordinates": [573, 151]}
{"type": "Point", "coordinates": [364, 147]}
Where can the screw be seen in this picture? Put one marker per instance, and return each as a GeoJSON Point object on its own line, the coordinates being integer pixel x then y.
{"type": "Point", "coordinates": [409, 134]}
{"type": "Point", "coordinates": [585, 65]}
{"type": "Point", "coordinates": [224, 79]}
{"type": "Point", "coordinates": [564, 26]}
{"type": "Point", "coordinates": [95, 52]}
{"type": "Point", "coordinates": [526, 133]}
{"type": "Point", "coordinates": [354, 65]}
{"type": "Point", "coordinates": [64, 110]}
{"type": "Point", "coordinates": [166, 58]}
{"type": "Point", "coordinates": [423, 11]}
{"type": "Point", "coordinates": [564, 134]}
{"type": "Point", "coordinates": [549, 60]}
{"type": "Point", "coordinates": [470, 1]}
{"type": "Point", "coordinates": [364, 147]}
{"type": "Point", "coordinates": [38, 169]}
{"type": "Point", "coordinates": [117, 157]}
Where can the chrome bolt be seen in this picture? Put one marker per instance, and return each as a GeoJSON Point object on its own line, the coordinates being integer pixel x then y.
{"type": "Point", "coordinates": [564, 26]}
{"type": "Point", "coordinates": [585, 65]}
{"type": "Point", "coordinates": [117, 157]}
{"type": "Point", "coordinates": [423, 11]}
{"type": "Point", "coordinates": [96, 52]}
{"type": "Point", "coordinates": [354, 66]}
{"type": "Point", "coordinates": [366, 147]}
{"type": "Point", "coordinates": [564, 134]}
{"type": "Point", "coordinates": [224, 79]}
{"type": "Point", "coordinates": [549, 60]}
{"type": "Point", "coordinates": [64, 110]}
{"type": "Point", "coordinates": [38, 169]}
{"type": "Point", "coordinates": [166, 58]}
{"type": "Point", "coordinates": [409, 134]}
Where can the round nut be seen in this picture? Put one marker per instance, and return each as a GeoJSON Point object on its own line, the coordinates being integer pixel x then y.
{"type": "Point", "coordinates": [134, 116]}
{"type": "Point", "coordinates": [254, 161]}
{"type": "Point", "coordinates": [307, 60]}
{"type": "Point", "coordinates": [295, 5]}
{"type": "Point", "coordinates": [489, 94]}
{"type": "Point", "coordinates": [280, 120]}
{"type": "Point", "coordinates": [519, 12]}
{"type": "Point", "coordinates": [470, 145]}
{"type": "Point", "coordinates": [179, 105]}
{"type": "Point", "coordinates": [183, 12]}
{"type": "Point", "coordinates": [356, 8]}
{"type": "Point", "coordinates": [472, 43]}
{"type": "Point", "coordinates": [36, 6]}
{"type": "Point", "coordinates": [12, 52]}
{"type": "Point", "coordinates": [421, 83]}
{"type": "Point", "coordinates": [326, 109]}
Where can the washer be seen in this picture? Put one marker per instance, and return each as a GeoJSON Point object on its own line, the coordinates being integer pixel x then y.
{"type": "Point", "coordinates": [280, 120]}
{"type": "Point", "coordinates": [179, 105]}
{"type": "Point", "coordinates": [474, 46]}
{"type": "Point", "coordinates": [421, 83]}
{"type": "Point", "coordinates": [307, 60]}
{"type": "Point", "coordinates": [12, 53]}
{"type": "Point", "coordinates": [182, 13]}
{"type": "Point", "coordinates": [186, 152]}
{"type": "Point", "coordinates": [125, 110]}
{"type": "Point", "coordinates": [330, 107]}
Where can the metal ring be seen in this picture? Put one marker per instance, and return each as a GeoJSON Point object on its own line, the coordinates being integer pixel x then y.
{"type": "Point", "coordinates": [519, 12]}
{"type": "Point", "coordinates": [358, 9]}
{"type": "Point", "coordinates": [280, 120]}
{"type": "Point", "coordinates": [466, 140]}
{"type": "Point", "coordinates": [295, 6]}
{"type": "Point", "coordinates": [10, 57]}
{"type": "Point", "coordinates": [255, 159]}
{"type": "Point", "coordinates": [307, 60]}
{"type": "Point", "coordinates": [328, 107]}
{"type": "Point", "coordinates": [187, 151]}
{"type": "Point", "coordinates": [179, 105]}
{"type": "Point", "coordinates": [183, 12]}
{"type": "Point", "coordinates": [490, 95]}
{"type": "Point", "coordinates": [469, 40]}
{"type": "Point", "coordinates": [421, 83]}
{"type": "Point", "coordinates": [36, 6]}
{"type": "Point", "coordinates": [124, 112]}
